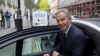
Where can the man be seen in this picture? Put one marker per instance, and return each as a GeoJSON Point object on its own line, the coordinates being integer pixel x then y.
{"type": "Point", "coordinates": [15, 17]}
{"type": "Point", "coordinates": [72, 40]}
{"type": "Point", "coordinates": [7, 17]}
{"type": "Point", "coordinates": [2, 17]}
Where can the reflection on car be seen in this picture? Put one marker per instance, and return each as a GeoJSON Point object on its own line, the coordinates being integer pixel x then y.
{"type": "Point", "coordinates": [74, 17]}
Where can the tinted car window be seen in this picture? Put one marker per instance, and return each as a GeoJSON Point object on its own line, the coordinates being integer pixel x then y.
{"type": "Point", "coordinates": [8, 50]}
{"type": "Point", "coordinates": [38, 43]}
{"type": "Point", "coordinates": [76, 16]}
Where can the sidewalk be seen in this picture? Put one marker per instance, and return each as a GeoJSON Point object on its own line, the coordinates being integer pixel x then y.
{"type": "Point", "coordinates": [4, 31]}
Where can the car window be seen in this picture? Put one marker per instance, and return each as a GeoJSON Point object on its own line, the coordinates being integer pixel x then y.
{"type": "Point", "coordinates": [8, 50]}
{"type": "Point", "coordinates": [38, 43]}
{"type": "Point", "coordinates": [76, 16]}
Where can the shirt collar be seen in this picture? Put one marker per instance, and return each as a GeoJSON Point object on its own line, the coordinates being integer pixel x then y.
{"type": "Point", "coordinates": [66, 32]}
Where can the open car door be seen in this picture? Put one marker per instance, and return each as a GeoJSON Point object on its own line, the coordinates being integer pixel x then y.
{"type": "Point", "coordinates": [29, 42]}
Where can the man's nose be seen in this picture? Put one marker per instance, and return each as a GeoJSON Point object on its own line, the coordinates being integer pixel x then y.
{"type": "Point", "coordinates": [60, 22]}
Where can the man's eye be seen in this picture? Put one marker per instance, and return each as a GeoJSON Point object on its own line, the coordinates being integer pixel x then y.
{"type": "Point", "coordinates": [57, 20]}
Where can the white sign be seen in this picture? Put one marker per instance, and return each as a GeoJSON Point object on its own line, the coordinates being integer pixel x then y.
{"type": "Point", "coordinates": [39, 18]}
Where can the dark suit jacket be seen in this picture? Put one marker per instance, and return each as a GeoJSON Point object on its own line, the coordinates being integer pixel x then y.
{"type": "Point", "coordinates": [73, 44]}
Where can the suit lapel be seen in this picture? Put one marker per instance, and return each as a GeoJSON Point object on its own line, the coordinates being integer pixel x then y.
{"type": "Point", "coordinates": [62, 39]}
{"type": "Point", "coordinates": [68, 40]}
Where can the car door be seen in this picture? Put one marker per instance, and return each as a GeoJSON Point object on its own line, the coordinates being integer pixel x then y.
{"type": "Point", "coordinates": [29, 42]}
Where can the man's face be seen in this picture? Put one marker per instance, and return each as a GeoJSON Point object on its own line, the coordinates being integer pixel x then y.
{"type": "Point", "coordinates": [62, 21]}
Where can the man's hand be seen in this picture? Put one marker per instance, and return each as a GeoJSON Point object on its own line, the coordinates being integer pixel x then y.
{"type": "Point", "coordinates": [55, 53]}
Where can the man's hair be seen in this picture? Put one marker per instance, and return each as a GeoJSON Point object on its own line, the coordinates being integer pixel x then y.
{"type": "Point", "coordinates": [64, 10]}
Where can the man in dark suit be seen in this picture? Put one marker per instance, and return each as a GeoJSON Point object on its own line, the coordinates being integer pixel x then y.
{"type": "Point", "coordinates": [72, 40]}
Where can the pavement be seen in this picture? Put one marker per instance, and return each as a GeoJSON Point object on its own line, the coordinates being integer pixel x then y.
{"type": "Point", "coordinates": [4, 31]}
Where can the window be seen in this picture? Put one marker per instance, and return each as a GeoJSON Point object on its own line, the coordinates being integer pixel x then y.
{"type": "Point", "coordinates": [8, 50]}
{"type": "Point", "coordinates": [38, 43]}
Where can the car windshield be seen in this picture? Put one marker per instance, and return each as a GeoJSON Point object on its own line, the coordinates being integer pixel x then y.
{"type": "Point", "coordinates": [16, 15]}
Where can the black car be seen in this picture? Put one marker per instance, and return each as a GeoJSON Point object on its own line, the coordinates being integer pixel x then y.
{"type": "Point", "coordinates": [37, 41]}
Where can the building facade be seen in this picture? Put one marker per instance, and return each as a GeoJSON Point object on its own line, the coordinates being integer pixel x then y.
{"type": "Point", "coordinates": [85, 8]}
